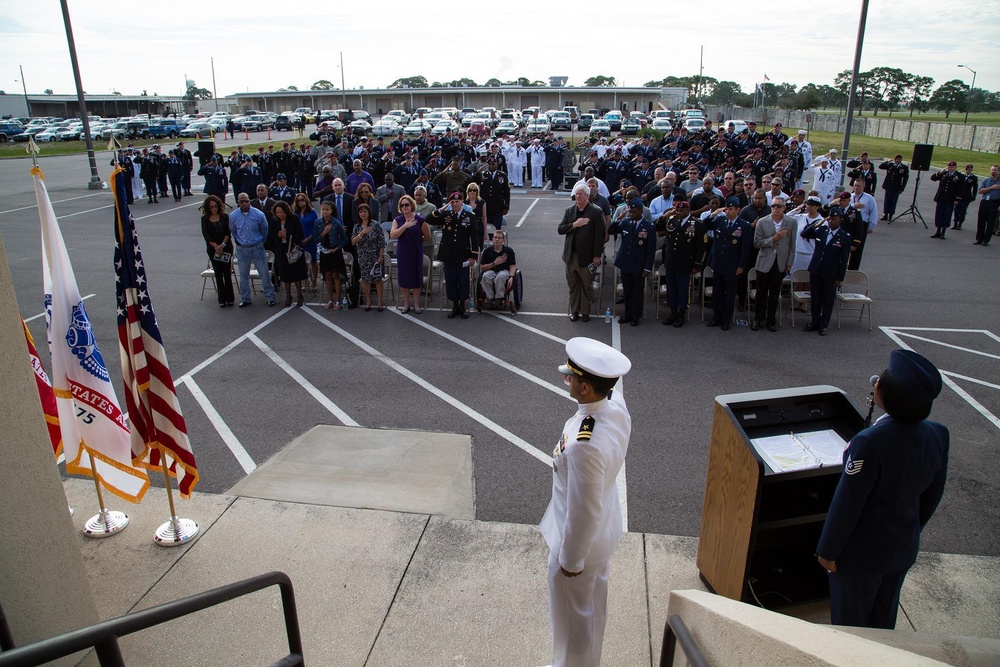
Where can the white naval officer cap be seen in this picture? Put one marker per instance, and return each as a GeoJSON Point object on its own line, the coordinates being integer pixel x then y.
{"type": "Point", "coordinates": [586, 356]}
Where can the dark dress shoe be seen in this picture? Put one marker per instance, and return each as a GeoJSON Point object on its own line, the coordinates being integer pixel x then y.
{"type": "Point", "coordinates": [725, 327]}
{"type": "Point", "coordinates": [822, 332]}
{"type": "Point", "coordinates": [772, 328]}
{"type": "Point", "coordinates": [978, 243]}
{"type": "Point", "coordinates": [624, 320]}
{"type": "Point", "coordinates": [936, 236]}
{"type": "Point", "coordinates": [755, 326]}
{"type": "Point", "coordinates": [714, 323]}
{"type": "Point", "coordinates": [680, 321]}
{"type": "Point", "coordinates": [574, 317]}
{"type": "Point", "coordinates": [670, 320]}
{"type": "Point", "coordinates": [810, 327]}
{"type": "Point", "coordinates": [585, 317]}
{"type": "Point", "coordinates": [244, 304]}
{"type": "Point", "coordinates": [635, 322]}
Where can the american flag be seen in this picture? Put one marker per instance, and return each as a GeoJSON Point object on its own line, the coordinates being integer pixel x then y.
{"type": "Point", "coordinates": [158, 427]}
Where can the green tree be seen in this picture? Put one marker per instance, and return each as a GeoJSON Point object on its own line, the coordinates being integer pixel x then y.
{"type": "Point", "coordinates": [322, 84]}
{"type": "Point", "coordinates": [950, 96]}
{"type": "Point", "coordinates": [411, 82]}
{"type": "Point", "coordinates": [194, 94]}
{"type": "Point", "coordinates": [863, 92]}
{"type": "Point", "coordinates": [599, 81]}
{"type": "Point", "coordinates": [48, 91]}
{"type": "Point", "coordinates": [493, 83]}
{"type": "Point", "coordinates": [464, 81]}
{"type": "Point", "coordinates": [886, 87]}
{"type": "Point", "coordinates": [918, 93]}
{"type": "Point", "coordinates": [724, 92]}
{"type": "Point", "coordinates": [807, 98]}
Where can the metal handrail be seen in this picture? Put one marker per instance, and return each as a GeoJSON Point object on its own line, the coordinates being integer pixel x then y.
{"type": "Point", "coordinates": [103, 636]}
{"type": "Point", "coordinates": [674, 632]}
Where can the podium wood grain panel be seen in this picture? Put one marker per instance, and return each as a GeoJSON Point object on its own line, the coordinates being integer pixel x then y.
{"type": "Point", "coordinates": [727, 517]}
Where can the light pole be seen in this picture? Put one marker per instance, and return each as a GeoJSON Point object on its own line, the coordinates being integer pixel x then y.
{"type": "Point", "coordinates": [24, 87]}
{"type": "Point", "coordinates": [968, 104]}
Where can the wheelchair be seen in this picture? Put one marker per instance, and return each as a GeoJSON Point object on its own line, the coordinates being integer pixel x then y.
{"type": "Point", "coordinates": [512, 295]}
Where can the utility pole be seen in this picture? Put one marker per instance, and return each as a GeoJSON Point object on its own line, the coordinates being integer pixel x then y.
{"type": "Point", "coordinates": [854, 81]}
{"type": "Point", "coordinates": [95, 178]}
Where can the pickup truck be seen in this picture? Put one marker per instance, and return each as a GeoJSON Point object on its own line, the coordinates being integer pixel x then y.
{"type": "Point", "coordinates": [166, 128]}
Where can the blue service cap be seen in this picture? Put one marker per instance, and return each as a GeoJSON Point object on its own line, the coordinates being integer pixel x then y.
{"type": "Point", "coordinates": [636, 202]}
{"type": "Point", "coordinates": [732, 201]}
{"type": "Point", "coordinates": [836, 211]}
{"type": "Point", "coordinates": [920, 377]}
{"type": "Point", "coordinates": [282, 177]}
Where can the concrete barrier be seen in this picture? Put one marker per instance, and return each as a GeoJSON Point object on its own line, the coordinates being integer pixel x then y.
{"type": "Point", "coordinates": [985, 138]}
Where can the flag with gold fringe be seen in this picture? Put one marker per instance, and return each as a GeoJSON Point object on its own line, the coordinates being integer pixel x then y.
{"type": "Point", "coordinates": [45, 394]}
{"type": "Point", "coordinates": [158, 427]}
{"type": "Point", "coordinates": [95, 434]}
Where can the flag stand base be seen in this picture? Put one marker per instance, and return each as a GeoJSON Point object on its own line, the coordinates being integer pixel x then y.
{"type": "Point", "coordinates": [175, 532]}
{"type": "Point", "coordinates": [105, 524]}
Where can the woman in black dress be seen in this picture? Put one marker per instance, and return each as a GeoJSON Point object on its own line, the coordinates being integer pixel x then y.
{"type": "Point", "coordinates": [331, 241]}
{"type": "Point", "coordinates": [286, 237]}
{"type": "Point", "coordinates": [215, 229]}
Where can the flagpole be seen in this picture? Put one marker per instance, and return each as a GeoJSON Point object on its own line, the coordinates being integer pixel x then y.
{"type": "Point", "coordinates": [106, 522]}
{"type": "Point", "coordinates": [175, 531]}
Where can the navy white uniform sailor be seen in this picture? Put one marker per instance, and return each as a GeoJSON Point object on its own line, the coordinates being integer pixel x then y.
{"type": "Point", "coordinates": [583, 523]}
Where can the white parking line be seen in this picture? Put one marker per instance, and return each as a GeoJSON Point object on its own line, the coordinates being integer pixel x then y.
{"type": "Point", "coordinates": [942, 344]}
{"type": "Point", "coordinates": [487, 356]}
{"type": "Point", "coordinates": [537, 332]}
{"type": "Point", "coordinates": [519, 222]}
{"type": "Point", "coordinates": [42, 314]}
{"type": "Point", "coordinates": [304, 383]}
{"type": "Point", "coordinates": [59, 201]}
{"type": "Point", "coordinates": [976, 405]}
{"type": "Point", "coordinates": [215, 357]}
{"type": "Point", "coordinates": [70, 215]}
{"type": "Point", "coordinates": [451, 400]}
{"type": "Point", "coordinates": [169, 210]}
{"type": "Point", "coordinates": [227, 435]}
{"type": "Point", "coordinates": [973, 380]}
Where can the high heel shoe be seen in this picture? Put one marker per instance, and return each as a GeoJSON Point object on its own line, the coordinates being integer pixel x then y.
{"type": "Point", "coordinates": [301, 300]}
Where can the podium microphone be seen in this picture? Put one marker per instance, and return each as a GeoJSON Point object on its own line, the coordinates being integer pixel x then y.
{"type": "Point", "coordinates": [871, 401]}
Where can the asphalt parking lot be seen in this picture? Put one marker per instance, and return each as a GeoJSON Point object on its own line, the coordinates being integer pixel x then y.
{"type": "Point", "coordinates": [256, 378]}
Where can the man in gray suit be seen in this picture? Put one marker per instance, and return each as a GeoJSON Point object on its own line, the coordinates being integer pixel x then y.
{"type": "Point", "coordinates": [774, 236]}
{"type": "Point", "coordinates": [583, 227]}
{"type": "Point", "coordinates": [388, 198]}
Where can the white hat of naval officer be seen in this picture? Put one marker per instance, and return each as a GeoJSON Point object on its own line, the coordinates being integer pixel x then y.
{"type": "Point", "coordinates": [586, 356]}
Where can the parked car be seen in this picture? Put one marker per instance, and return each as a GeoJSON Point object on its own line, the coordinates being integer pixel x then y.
{"type": "Point", "coordinates": [197, 130]}
{"type": "Point", "coordinates": [9, 129]}
{"type": "Point", "coordinates": [585, 121]}
{"type": "Point", "coordinates": [386, 127]}
{"type": "Point", "coordinates": [257, 123]}
{"type": "Point", "coordinates": [738, 125]}
{"type": "Point", "coordinates": [506, 127]}
{"type": "Point", "coordinates": [48, 134]}
{"type": "Point", "coordinates": [166, 127]}
{"type": "Point", "coordinates": [126, 129]}
{"type": "Point", "coordinates": [308, 114]}
{"type": "Point", "coordinates": [283, 122]}
{"type": "Point", "coordinates": [538, 126]}
{"type": "Point", "coordinates": [694, 124]}
{"type": "Point", "coordinates": [662, 124]}
{"type": "Point", "coordinates": [443, 126]}
{"type": "Point", "coordinates": [416, 127]}
{"type": "Point", "coordinates": [400, 116]}
{"type": "Point", "coordinates": [28, 133]}
{"type": "Point", "coordinates": [560, 120]}
{"type": "Point", "coordinates": [615, 119]}
{"type": "Point", "coordinates": [359, 127]}
{"type": "Point", "coordinates": [600, 128]}
{"type": "Point", "coordinates": [631, 126]}
{"type": "Point", "coordinates": [478, 115]}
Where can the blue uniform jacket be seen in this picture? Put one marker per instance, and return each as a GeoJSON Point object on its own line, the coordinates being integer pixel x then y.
{"type": "Point", "coordinates": [638, 243]}
{"type": "Point", "coordinates": [731, 248]}
{"type": "Point", "coordinates": [893, 479]}
{"type": "Point", "coordinates": [829, 260]}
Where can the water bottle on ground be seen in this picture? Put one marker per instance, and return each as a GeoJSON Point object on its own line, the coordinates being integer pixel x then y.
{"type": "Point", "coordinates": [607, 316]}
{"type": "Point", "coordinates": [343, 303]}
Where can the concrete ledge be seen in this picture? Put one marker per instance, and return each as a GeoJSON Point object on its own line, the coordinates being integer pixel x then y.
{"type": "Point", "coordinates": [733, 633]}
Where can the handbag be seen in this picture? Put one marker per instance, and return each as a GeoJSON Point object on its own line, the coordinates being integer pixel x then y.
{"type": "Point", "coordinates": [294, 253]}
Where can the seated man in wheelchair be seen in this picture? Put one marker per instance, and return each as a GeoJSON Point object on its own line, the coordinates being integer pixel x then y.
{"type": "Point", "coordinates": [497, 264]}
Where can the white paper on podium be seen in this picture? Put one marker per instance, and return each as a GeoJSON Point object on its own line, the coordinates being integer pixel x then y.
{"type": "Point", "coordinates": [801, 451]}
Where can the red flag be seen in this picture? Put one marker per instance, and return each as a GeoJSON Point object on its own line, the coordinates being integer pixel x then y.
{"type": "Point", "coordinates": [45, 393]}
{"type": "Point", "coordinates": [158, 428]}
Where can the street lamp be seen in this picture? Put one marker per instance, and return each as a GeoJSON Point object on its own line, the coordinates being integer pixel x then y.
{"type": "Point", "coordinates": [24, 87]}
{"type": "Point", "coordinates": [969, 103]}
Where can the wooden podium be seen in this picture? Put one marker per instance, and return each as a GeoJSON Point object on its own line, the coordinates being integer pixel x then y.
{"type": "Point", "coordinates": [760, 527]}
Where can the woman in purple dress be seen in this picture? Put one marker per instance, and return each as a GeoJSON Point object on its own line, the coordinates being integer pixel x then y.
{"type": "Point", "coordinates": [410, 231]}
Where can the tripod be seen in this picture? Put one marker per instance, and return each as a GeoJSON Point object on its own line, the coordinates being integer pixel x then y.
{"type": "Point", "coordinates": [913, 211]}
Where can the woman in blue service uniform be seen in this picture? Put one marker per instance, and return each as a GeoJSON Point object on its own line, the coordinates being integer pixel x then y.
{"type": "Point", "coordinates": [893, 479]}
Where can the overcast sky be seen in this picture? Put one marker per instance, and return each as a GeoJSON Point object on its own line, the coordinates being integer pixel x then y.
{"type": "Point", "coordinates": [258, 45]}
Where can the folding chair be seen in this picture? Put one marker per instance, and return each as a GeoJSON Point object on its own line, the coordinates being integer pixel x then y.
{"type": "Point", "coordinates": [207, 274]}
{"type": "Point", "coordinates": [859, 295]}
{"type": "Point", "coordinates": [751, 292]}
{"type": "Point", "coordinates": [706, 289]}
{"type": "Point", "coordinates": [803, 297]}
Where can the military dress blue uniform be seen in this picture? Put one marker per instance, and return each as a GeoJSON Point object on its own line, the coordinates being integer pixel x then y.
{"type": "Point", "coordinates": [893, 479]}
{"type": "Point", "coordinates": [827, 267]}
{"type": "Point", "coordinates": [730, 252]}
{"type": "Point", "coordinates": [637, 246]}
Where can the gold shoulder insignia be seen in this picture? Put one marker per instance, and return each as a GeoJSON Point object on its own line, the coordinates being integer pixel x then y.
{"type": "Point", "coordinates": [586, 428]}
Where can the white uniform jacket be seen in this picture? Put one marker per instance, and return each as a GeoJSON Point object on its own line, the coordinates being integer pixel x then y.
{"type": "Point", "coordinates": [583, 522]}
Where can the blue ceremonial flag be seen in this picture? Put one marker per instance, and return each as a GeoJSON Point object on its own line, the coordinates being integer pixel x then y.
{"type": "Point", "coordinates": [158, 427]}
